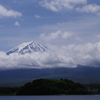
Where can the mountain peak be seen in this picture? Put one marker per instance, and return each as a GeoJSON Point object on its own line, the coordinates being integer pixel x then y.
{"type": "Point", "coordinates": [28, 47]}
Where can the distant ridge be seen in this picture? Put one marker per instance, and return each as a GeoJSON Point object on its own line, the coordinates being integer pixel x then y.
{"type": "Point", "coordinates": [28, 47]}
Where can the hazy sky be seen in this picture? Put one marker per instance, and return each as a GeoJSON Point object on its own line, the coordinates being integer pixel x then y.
{"type": "Point", "coordinates": [71, 25]}
{"type": "Point", "coordinates": [56, 22]}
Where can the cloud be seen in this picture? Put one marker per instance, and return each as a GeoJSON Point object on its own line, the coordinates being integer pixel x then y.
{"type": "Point", "coordinates": [97, 36]}
{"type": "Point", "coordinates": [77, 5]}
{"type": "Point", "coordinates": [91, 8]}
{"type": "Point", "coordinates": [56, 35]}
{"type": "Point", "coordinates": [37, 16]}
{"type": "Point", "coordinates": [67, 35]}
{"type": "Point", "coordinates": [14, 1]}
{"type": "Point", "coordinates": [8, 13]}
{"type": "Point", "coordinates": [58, 5]}
{"type": "Point", "coordinates": [66, 56]}
{"type": "Point", "coordinates": [17, 23]}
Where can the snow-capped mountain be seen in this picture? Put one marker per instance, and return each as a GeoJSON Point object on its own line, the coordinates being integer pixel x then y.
{"type": "Point", "coordinates": [28, 47]}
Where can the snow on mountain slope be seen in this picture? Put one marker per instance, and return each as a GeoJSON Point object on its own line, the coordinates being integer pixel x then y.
{"type": "Point", "coordinates": [28, 47]}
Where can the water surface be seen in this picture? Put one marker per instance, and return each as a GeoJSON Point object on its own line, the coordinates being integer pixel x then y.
{"type": "Point", "coordinates": [63, 97]}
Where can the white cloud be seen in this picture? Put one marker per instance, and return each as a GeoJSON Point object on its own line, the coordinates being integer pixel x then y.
{"type": "Point", "coordinates": [51, 36]}
{"type": "Point", "coordinates": [56, 35]}
{"type": "Point", "coordinates": [84, 30]}
{"type": "Point", "coordinates": [67, 35]}
{"type": "Point", "coordinates": [57, 5]}
{"type": "Point", "coordinates": [65, 56]}
{"type": "Point", "coordinates": [37, 16]}
{"type": "Point", "coordinates": [17, 23]}
{"type": "Point", "coordinates": [8, 13]}
{"type": "Point", "coordinates": [91, 8]}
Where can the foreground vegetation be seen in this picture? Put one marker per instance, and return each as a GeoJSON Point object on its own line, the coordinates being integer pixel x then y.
{"type": "Point", "coordinates": [50, 87]}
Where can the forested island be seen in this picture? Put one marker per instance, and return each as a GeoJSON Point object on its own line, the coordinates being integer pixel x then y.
{"type": "Point", "coordinates": [48, 87]}
{"type": "Point", "coordinates": [51, 87]}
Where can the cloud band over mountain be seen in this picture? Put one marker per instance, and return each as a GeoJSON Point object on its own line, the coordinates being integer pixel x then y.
{"type": "Point", "coordinates": [66, 56]}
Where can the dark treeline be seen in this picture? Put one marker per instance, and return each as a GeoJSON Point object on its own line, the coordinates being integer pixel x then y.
{"type": "Point", "coordinates": [8, 90]}
{"type": "Point", "coordinates": [51, 87]}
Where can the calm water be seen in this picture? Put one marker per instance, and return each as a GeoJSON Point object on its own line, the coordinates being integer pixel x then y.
{"type": "Point", "coordinates": [76, 97]}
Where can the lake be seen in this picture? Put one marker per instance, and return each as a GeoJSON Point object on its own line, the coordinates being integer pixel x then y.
{"type": "Point", "coordinates": [63, 97]}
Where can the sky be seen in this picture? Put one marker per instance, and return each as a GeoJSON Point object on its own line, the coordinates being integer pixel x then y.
{"type": "Point", "coordinates": [68, 27]}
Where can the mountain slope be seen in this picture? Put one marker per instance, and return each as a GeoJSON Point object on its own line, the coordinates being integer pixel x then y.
{"type": "Point", "coordinates": [28, 47]}
{"type": "Point", "coordinates": [18, 77]}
